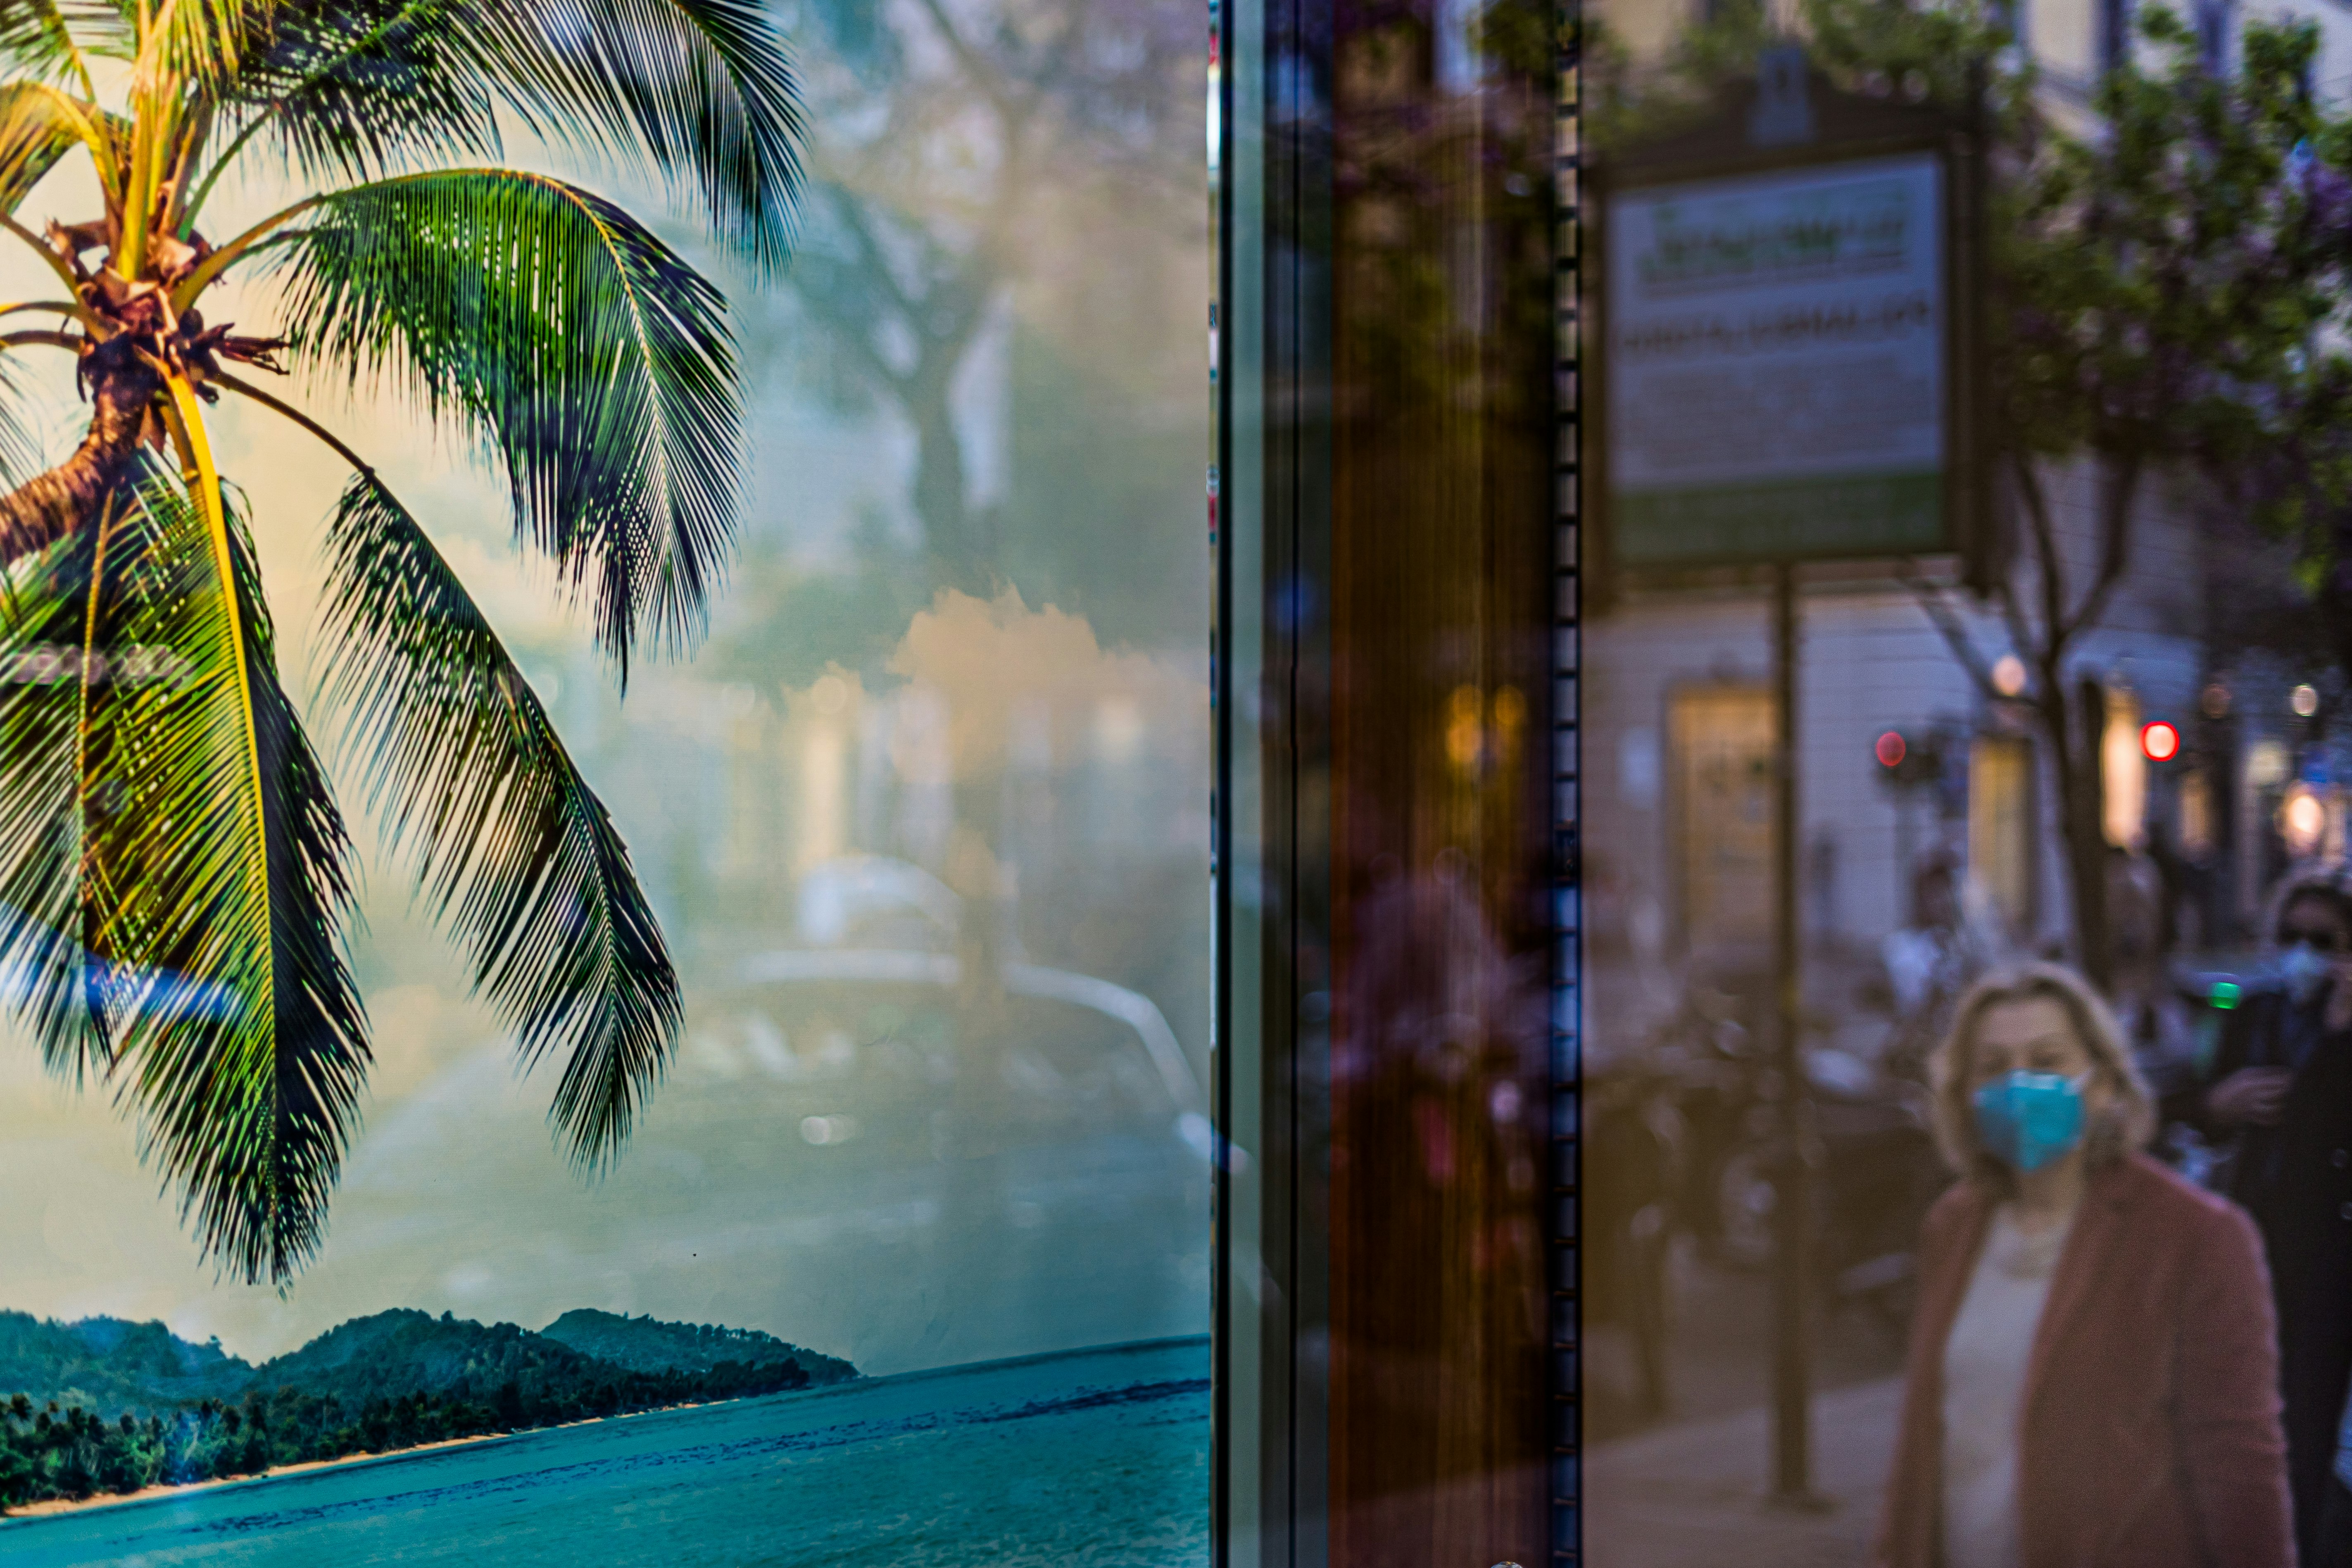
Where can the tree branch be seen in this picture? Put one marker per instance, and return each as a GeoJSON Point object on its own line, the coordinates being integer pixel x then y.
{"type": "Point", "coordinates": [870, 245]}
{"type": "Point", "coordinates": [977, 65]}
{"type": "Point", "coordinates": [2114, 552]}
{"type": "Point", "coordinates": [278, 406]}
{"type": "Point", "coordinates": [1955, 635]}
{"type": "Point", "coordinates": [2045, 550]}
{"type": "Point", "coordinates": [2013, 614]}
{"type": "Point", "coordinates": [56, 265]}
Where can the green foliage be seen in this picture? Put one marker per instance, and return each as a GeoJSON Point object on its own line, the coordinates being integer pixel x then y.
{"type": "Point", "coordinates": [177, 877]}
{"type": "Point", "coordinates": [647, 1345]}
{"type": "Point", "coordinates": [516, 854]}
{"type": "Point", "coordinates": [111, 1365]}
{"type": "Point", "coordinates": [395, 1380]}
{"type": "Point", "coordinates": [699, 90]}
{"type": "Point", "coordinates": [201, 941]}
{"type": "Point", "coordinates": [853, 619]}
{"type": "Point", "coordinates": [573, 343]}
{"type": "Point", "coordinates": [2165, 290]}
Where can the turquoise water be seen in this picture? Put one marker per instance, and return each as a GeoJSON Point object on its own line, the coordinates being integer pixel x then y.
{"type": "Point", "coordinates": [1096, 1457]}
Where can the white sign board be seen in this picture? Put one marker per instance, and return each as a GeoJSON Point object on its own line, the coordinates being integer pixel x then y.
{"type": "Point", "coordinates": [1775, 375]}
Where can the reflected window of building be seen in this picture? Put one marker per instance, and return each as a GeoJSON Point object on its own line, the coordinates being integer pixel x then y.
{"type": "Point", "coordinates": [2004, 826]}
{"type": "Point", "coordinates": [1721, 739]}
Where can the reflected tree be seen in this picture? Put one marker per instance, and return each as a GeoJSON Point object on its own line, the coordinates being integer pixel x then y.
{"type": "Point", "coordinates": [952, 130]}
{"type": "Point", "coordinates": [2168, 296]}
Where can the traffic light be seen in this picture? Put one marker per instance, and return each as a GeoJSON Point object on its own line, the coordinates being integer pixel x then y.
{"type": "Point", "coordinates": [2159, 741]}
{"type": "Point", "coordinates": [1907, 762]}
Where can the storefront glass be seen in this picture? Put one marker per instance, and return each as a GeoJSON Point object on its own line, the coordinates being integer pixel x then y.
{"type": "Point", "coordinates": [921, 816]}
{"type": "Point", "coordinates": [1963, 612]}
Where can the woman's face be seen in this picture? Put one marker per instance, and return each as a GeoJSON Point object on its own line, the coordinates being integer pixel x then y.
{"type": "Point", "coordinates": [2318, 922]}
{"type": "Point", "coordinates": [2035, 1033]}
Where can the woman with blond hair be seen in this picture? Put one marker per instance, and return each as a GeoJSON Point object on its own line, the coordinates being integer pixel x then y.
{"type": "Point", "coordinates": [2093, 1377]}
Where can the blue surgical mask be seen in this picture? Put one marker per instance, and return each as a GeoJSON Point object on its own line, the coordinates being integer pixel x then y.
{"type": "Point", "coordinates": [2302, 970]}
{"type": "Point", "coordinates": [2025, 1120]}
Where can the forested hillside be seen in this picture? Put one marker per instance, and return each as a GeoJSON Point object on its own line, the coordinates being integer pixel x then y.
{"type": "Point", "coordinates": [111, 1365]}
{"type": "Point", "coordinates": [646, 1345]}
{"type": "Point", "coordinates": [103, 1405]}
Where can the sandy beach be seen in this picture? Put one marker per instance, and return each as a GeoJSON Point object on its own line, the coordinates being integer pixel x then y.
{"type": "Point", "coordinates": [182, 1489]}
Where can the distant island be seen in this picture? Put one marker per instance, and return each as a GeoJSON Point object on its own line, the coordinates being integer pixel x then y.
{"type": "Point", "coordinates": [103, 1405]}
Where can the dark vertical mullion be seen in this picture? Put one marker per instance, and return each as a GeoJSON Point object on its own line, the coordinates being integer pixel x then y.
{"type": "Point", "coordinates": [1280, 535]}
{"type": "Point", "coordinates": [1298, 581]}
{"type": "Point", "coordinates": [1568, 943]}
{"type": "Point", "coordinates": [1222, 863]}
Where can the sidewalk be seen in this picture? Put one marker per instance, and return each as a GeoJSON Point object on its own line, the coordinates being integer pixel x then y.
{"type": "Point", "coordinates": [1693, 1496]}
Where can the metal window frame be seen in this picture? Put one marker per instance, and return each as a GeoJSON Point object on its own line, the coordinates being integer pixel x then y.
{"type": "Point", "coordinates": [1567, 1153]}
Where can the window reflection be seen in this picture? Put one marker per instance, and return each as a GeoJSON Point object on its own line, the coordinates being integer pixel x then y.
{"type": "Point", "coordinates": [923, 819]}
{"type": "Point", "coordinates": [2054, 781]}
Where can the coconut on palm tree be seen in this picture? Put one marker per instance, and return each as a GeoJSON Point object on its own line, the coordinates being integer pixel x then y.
{"type": "Point", "coordinates": [175, 876]}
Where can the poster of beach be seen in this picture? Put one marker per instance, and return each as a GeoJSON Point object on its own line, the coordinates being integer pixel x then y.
{"type": "Point", "coordinates": [604, 783]}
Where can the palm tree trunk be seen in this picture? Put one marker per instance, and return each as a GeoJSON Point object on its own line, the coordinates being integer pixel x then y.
{"type": "Point", "coordinates": [49, 506]}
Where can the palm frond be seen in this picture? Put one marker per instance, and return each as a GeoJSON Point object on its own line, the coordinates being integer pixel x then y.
{"type": "Point", "coordinates": [194, 942]}
{"type": "Point", "coordinates": [252, 1109]}
{"type": "Point", "coordinates": [21, 454]}
{"type": "Point", "coordinates": [199, 40]}
{"type": "Point", "coordinates": [355, 89]}
{"type": "Point", "coordinates": [513, 851]}
{"type": "Point", "coordinates": [702, 88]}
{"type": "Point", "coordinates": [56, 631]}
{"type": "Point", "coordinates": [578, 348]}
{"type": "Point", "coordinates": [39, 125]}
{"type": "Point", "coordinates": [54, 41]}
{"type": "Point", "coordinates": [699, 90]}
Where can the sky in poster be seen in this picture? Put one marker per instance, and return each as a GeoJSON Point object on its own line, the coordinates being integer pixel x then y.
{"type": "Point", "coordinates": [873, 1170]}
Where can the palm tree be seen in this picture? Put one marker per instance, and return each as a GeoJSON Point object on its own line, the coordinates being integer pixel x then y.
{"type": "Point", "coordinates": [175, 878]}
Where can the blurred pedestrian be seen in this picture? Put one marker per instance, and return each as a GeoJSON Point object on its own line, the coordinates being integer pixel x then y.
{"type": "Point", "coordinates": [2280, 1090]}
{"type": "Point", "coordinates": [2334, 1549]}
{"type": "Point", "coordinates": [2093, 1377]}
{"type": "Point", "coordinates": [1932, 961]}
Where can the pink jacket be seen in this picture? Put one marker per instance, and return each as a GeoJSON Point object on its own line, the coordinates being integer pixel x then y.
{"type": "Point", "coordinates": [2150, 1433]}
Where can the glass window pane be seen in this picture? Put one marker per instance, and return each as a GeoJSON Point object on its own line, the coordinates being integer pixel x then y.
{"type": "Point", "coordinates": [762, 674]}
{"type": "Point", "coordinates": [1961, 657]}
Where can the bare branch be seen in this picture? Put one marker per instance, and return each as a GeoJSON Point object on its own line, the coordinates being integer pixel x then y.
{"type": "Point", "coordinates": [2115, 552]}
{"type": "Point", "coordinates": [278, 406]}
{"type": "Point", "coordinates": [2045, 551]}
{"type": "Point", "coordinates": [2014, 614]}
{"type": "Point", "coordinates": [982, 71]}
{"type": "Point", "coordinates": [869, 246]}
{"type": "Point", "coordinates": [1939, 610]}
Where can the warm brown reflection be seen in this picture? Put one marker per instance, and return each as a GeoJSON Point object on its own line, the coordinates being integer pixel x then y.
{"type": "Point", "coordinates": [1441, 535]}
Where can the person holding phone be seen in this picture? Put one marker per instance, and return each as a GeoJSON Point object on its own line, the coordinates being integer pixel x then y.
{"type": "Point", "coordinates": [2092, 1380]}
{"type": "Point", "coordinates": [2280, 1089]}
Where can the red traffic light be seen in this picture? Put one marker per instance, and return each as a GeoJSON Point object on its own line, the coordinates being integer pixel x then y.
{"type": "Point", "coordinates": [2158, 741]}
{"type": "Point", "coordinates": [1890, 749]}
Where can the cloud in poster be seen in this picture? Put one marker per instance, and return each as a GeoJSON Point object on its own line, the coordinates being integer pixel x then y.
{"type": "Point", "coordinates": [997, 665]}
{"type": "Point", "coordinates": [725, 1208]}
